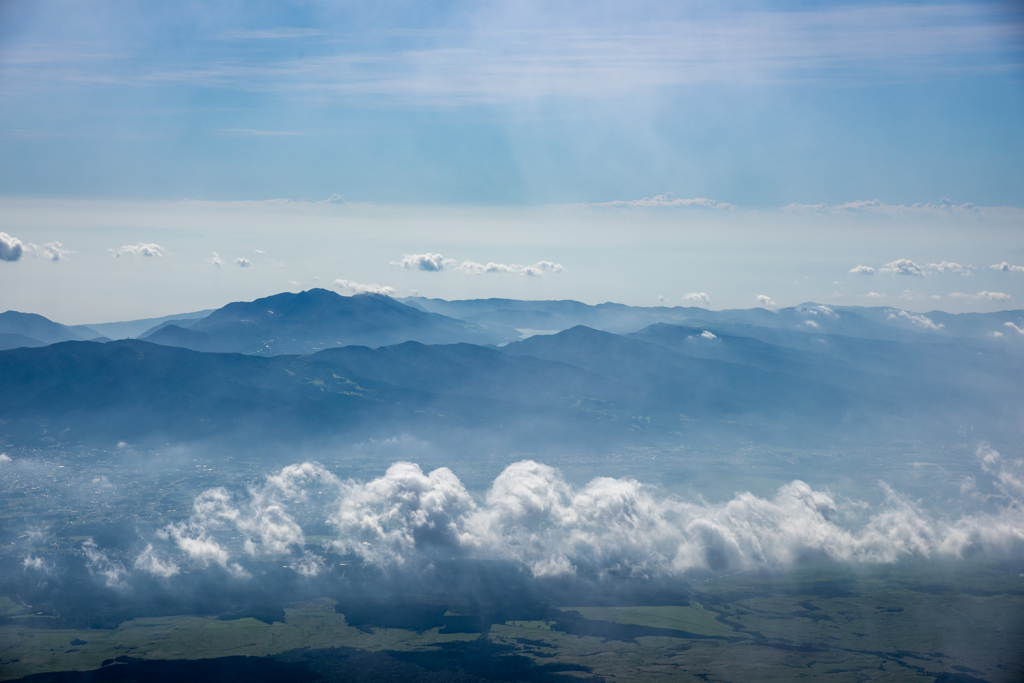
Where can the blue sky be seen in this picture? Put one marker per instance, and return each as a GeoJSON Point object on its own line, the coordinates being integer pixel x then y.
{"type": "Point", "coordinates": [506, 112]}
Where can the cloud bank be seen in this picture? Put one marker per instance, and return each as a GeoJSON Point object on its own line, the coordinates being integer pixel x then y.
{"type": "Point", "coordinates": [530, 515]}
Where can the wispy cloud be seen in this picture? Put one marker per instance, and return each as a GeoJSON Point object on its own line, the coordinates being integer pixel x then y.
{"type": "Point", "coordinates": [667, 200]}
{"type": "Point", "coordinates": [765, 301]}
{"type": "Point", "coordinates": [862, 270]}
{"type": "Point", "coordinates": [504, 61]}
{"type": "Point", "coordinates": [982, 296]}
{"type": "Point", "coordinates": [539, 268]}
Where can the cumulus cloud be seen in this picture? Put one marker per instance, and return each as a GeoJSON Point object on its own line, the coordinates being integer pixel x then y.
{"type": "Point", "coordinates": [1004, 266]}
{"type": "Point", "coordinates": [862, 270]}
{"type": "Point", "coordinates": [1015, 328]}
{"type": "Point", "coordinates": [243, 262]}
{"type": "Point", "coordinates": [766, 301]}
{"type": "Point", "coordinates": [708, 335]}
{"type": "Point", "coordinates": [697, 298]}
{"type": "Point", "coordinates": [916, 319]}
{"type": "Point", "coordinates": [811, 323]}
{"type": "Point", "coordinates": [538, 268]}
{"type": "Point", "coordinates": [532, 516]}
{"type": "Point", "coordinates": [36, 564]}
{"type": "Point", "coordinates": [140, 249]}
{"type": "Point", "coordinates": [350, 287]}
{"type": "Point", "coordinates": [99, 564]}
{"type": "Point", "coordinates": [667, 200]}
{"type": "Point", "coordinates": [4, 458]}
{"type": "Point", "coordinates": [950, 267]}
{"type": "Point", "coordinates": [428, 262]}
{"type": "Point", "coordinates": [11, 248]}
{"type": "Point", "coordinates": [903, 267]}
{"type": "Point", "coordinates": [150, 563]}
{"type": "Point", "coordinates": [215, 260]}
{"type": "Point", "coordinates": [53, 251]}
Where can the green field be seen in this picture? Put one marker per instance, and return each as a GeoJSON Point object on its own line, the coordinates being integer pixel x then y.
{"type": "Point", "coordinates": [694, 619]}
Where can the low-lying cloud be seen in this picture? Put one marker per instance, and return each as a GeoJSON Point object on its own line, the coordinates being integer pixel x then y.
{"type": "Point", "coordinates": [697, 298]}
{"type": "Point", "coordinates": [350, 287]}
{"type": "Point", "coordinates": [532, 516]}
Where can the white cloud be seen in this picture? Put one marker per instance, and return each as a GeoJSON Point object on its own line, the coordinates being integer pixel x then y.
{"type": "Point", "coordinates": [766, 302]}
{"type": "Point", "coordinates": [538, 268]}
{"type": "Point", "coordinates": [903, 267]}
{"type": "Point", "coordinates": [149, 562]}
{"type": "Point", "coordinates": [140, 249]}
{"type": "Point", "coordinates": [862, 270]}
{"type": "Point", "coordinates": [667, 200]}
{"type": "Point", "coordinates": [950, 267]}
{"type": "Point", "coordinates": [98, 563]}
{"type": "Point", "coordinates": [11, 248]}
{"type": "Point", "coordinates": [532, 516]}
{"type": "Point", "coordinates": [54, 251]}
{"type": "Point", "coordinates": [876, 295]}
{"type": "Point", "coordinates": [1004, 266]}
{"type": "Point", "coordinates": [708, 335]}
{"type": "Point", "coordinates": [915, 319]}
{"type": "Point", "coordinates": [351, 287]}
{"type": "Point", "coordinates": [1015, 328]}
{"type": "Point", "coordinates": [697, 298]}
{"type": "Point", "coordinates": [986, 296]}
{"type": "Point", "coordinates": [243, 262]}
{"type": "Point", "coordinates": [4, 458]}
{"type": "Point", "coordinates": [428, 262]}
{"type": "Point", "coordinates": [37, 564]}
{"type": "Point", "coordinates": [811, 323]}
{"type": "Point", "coordinates": [215, 260]}
{"type": "Point", "coordinates": [876, 206]}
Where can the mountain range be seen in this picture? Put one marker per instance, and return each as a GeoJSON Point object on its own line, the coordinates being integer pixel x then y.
{"type": "Point", "coordinates": [582, 387]}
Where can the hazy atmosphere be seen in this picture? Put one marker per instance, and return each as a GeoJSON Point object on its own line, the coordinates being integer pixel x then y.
{"type": "Point", "coordinates": [487, 341]}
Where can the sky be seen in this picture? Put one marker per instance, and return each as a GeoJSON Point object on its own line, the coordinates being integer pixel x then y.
{"type": "Point", "coordinates": [161, 158]}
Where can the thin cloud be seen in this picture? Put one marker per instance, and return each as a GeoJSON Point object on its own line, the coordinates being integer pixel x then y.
{"type": "Point", "coordinates": [985, 296]}
{"type": "Point", "coordinates": [950, 267]}
{"type": "Point", "coordinates": [215, 260]}
{"type": "Point", "coordinates": [52, 251]}
{"type": "Point", "coordinates": [539, 268]}
{"type": "Point", "coordinates": [766, 301]}
{"type": "Point", "coordinates": [917, 320]}
{"type": "Point", "coordinates": [876, 206]}
{"type": "Point", "coordinates": [862, 270]}
{"type": "Point", "coordinates": [667, 200]}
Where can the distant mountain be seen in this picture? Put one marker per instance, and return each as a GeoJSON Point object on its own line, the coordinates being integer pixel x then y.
{"type": "Point", "coordinates": [36, 327]}
{"type": "Point", "coordinates": [317, 319]}
{"type": "Point", "coordinates": [874, 323]}
{"type": "Point", "coordinates": [17, 341]}
{"type": "Point", "coordinates": [578, 389]}
{"type": "Point", "coordinates": [132, 329]}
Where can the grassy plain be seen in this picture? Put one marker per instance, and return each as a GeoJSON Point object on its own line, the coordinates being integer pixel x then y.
{"type": "Point", "coordinates": [879, 625]}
